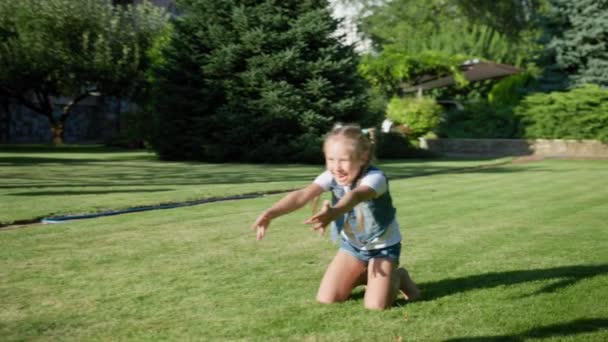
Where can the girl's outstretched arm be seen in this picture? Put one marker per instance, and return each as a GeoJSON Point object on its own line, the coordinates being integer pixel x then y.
{"type": "Point", "coordinates": [346, 203]}
{"type": "Point", "coordinates": [292, 201]}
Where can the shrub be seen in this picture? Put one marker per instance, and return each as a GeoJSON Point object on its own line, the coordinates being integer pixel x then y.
{"type": "Point", "coordinates": [421, 115]}
{"type": "Point", "coordinates": [479, 120]}
{"type": "Point", "coordinates": [580, 113]}
{"type": "Point", "coordinates": [509, 91]}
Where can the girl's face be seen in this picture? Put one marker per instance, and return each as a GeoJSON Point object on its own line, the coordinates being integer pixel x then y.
{"type": "Point", "coordinates": [341, 160]}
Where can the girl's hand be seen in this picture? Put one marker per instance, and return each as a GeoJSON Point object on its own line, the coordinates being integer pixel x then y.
{"type": "Point", "coordinates": [260, 225]}
{"type": "Point", "coordinates": [320, 220]}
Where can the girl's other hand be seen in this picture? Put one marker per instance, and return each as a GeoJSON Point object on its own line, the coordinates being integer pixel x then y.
{"type": "Point", "coordinates": [320, 220]}
{"type": "Point", "coordinates": [260, 225]}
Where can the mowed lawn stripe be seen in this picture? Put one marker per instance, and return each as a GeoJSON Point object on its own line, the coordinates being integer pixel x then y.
{"type": "Point", "coordinates": [35, 185]}
{"type": "Point", "coordinates": [489, 266]}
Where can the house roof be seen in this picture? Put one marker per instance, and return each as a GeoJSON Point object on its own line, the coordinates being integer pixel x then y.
{"type": "Point", "coordinates": [473, 71]}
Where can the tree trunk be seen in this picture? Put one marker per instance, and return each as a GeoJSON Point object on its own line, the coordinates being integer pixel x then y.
{"type": "Point", "coordinates": [57, 129]}
{"type": "Point", "coordinates": [45, 107]}
{"type": "Point", "coordinates": [58, 126]}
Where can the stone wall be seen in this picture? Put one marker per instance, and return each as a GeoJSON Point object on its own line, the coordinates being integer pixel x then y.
{"type": "Point", "coordinates": [517, 147]}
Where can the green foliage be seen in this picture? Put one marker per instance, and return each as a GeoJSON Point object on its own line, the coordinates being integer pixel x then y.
{"type": "Point", "coordinates": [512, 18]}
{"type": "Point", "coordinates": [72, 48]}
{"type": "Point", "coordinates": [394, 67]}
{"type": "Point", "coordinates": [418, 38]}
{"type": "Point", "coordinates": [479, 119]}
{"type": "Point", "coordinates": [575, 37]}
{"type": "Point", "coordinates": [487, 109]}
{"type": "Point", "coordinates": [254, 80]}
{"type": "Point", "coordinates": [421, 115]}
{"type": "Point", "coordinates": [67, 46]}
{"type": "Point", "coordinates": [501, 31]}
{"type": "Point", "coordinates": [156, 58]}
{"type": "Point", "coordinates": [507, 92]}
{"type": "Point", "coordinates": [580, 113]}
{"type": "Point", "coordinates": [377, 103]}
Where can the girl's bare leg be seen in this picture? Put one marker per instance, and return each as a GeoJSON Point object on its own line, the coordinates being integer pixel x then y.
{"type": "Point", "coordinates": [341, 276]}
{"type": "Point", "coordinates": [380, 291]}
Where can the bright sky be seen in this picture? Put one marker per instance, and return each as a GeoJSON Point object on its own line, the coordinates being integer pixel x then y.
{"type": "Point", "coordinates": [347, 12]}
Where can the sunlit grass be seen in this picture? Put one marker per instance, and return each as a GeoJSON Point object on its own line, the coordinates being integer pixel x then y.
{"type": "Point", "coordinates": [514, 252]}
{"type": "Point", "coordinates": [37, 182]}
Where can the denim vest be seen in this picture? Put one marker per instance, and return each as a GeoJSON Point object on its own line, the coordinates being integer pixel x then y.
{"type": "Point", "coordinates": [378, 214]}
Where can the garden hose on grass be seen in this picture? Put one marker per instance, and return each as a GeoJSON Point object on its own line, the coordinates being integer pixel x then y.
{"type": "Point", "coordinates": [66, 218]}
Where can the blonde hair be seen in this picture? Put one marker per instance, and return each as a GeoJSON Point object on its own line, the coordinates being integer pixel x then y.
{"type": "Point", "coordinates": [362, 142]}
{"type": "Point", "coordinates": [363, 150]}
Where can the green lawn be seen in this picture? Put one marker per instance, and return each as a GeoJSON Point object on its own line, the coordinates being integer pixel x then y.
{"type": "Point", "coordinates": [38, 181]}
{"type": "Point", "coordinates": [513, 252]}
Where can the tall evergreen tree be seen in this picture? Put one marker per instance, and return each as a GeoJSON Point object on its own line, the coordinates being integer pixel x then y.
{"type": "Point", "coordinates": [576, 37]}
{"type": "Point", "coordinates": [256, 80]}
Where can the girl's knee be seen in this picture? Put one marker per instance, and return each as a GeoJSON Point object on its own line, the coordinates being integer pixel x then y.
{"type": "Point", "coordinates": [325, 300]}
{"type": "Point", "coordinates": [377, 304]}
{"type": "Point", "coordinates": [330, 298]}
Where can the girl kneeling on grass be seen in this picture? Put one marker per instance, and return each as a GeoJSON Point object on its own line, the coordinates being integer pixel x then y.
{"type": "Point", "coordinates": [362, 214]}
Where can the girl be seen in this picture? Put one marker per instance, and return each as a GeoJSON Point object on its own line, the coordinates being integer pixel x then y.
{"type": "Point", "coordinates": [362, 216]}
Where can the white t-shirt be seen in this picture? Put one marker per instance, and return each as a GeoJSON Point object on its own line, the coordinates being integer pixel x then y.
{"type": "Point", "coordinates": [376, 180]}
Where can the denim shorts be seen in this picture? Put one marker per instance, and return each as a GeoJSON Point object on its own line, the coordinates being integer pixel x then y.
{"type": "Point", "coordinates": [391, 252]}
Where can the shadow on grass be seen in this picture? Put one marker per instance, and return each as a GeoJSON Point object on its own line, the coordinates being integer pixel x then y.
{"type": "Point", "coordinates": [104, 171]}
{"type": "Point", "coordinates": [575, 327]}
{"type": "Point", "coordinates": [563, 276]}
{"type": "Point", "coordinates": [99, 166]}
{"type": "Point", "coordinates": [86, 192]}
{"type": "Point", "coordinates": [566, 276]}
{"type": "Point", "coordinates": [66, 148]}
{"type": "Point", "coordinates": [32, 160]}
